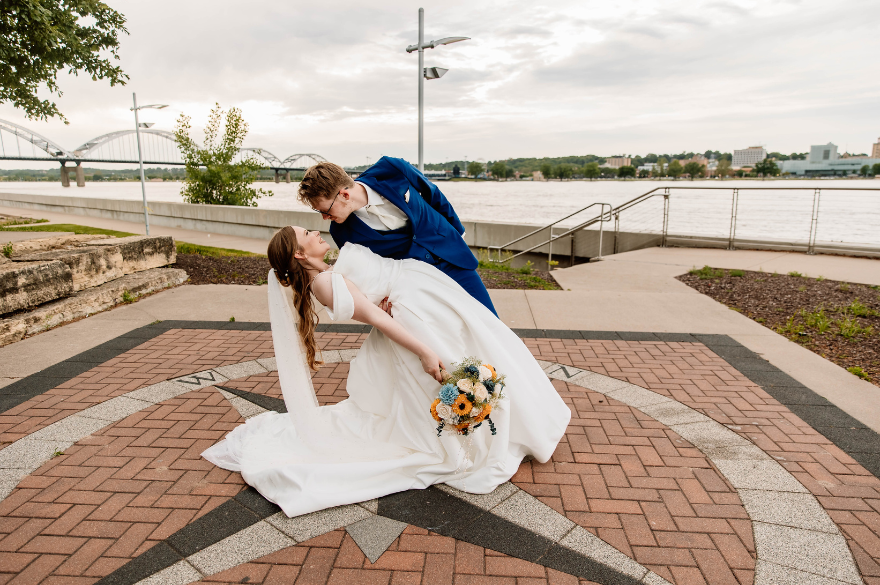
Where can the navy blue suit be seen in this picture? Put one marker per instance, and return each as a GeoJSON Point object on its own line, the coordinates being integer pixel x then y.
{"type": "Point", "coordinates": [433, 234]}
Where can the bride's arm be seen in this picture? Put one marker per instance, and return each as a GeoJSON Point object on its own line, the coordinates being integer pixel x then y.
{"type": "Point", "coordinates": [370, 314]}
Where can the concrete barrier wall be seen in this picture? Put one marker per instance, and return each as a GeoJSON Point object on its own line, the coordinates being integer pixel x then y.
{"type": "Point", "coordinates": [252, 222]}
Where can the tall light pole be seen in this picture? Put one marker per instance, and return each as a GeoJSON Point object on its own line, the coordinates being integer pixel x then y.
{"type": "Point", "coordinates": [137, 131]}
{"type": "Point", "coordinates": [429, 73]}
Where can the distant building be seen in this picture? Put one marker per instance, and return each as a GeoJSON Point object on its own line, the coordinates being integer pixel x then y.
{"type": "Point", "coordinates": [537, 176]}
{"type": "Point", "coordinates": [875, 151]}
{"type": "Point", "coordinates": [647, 167]}
{"type": "Point", "coordinates": [823, 152]}
{"type": "Point", "coordinates": [824, 161]}
{"type": "Point", "coordinates": [748, 157]}
{"type": "Point", "coordinates": [617, 162]}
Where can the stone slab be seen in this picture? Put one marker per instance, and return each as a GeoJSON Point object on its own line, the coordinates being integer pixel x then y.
{"type": "Point", "coordinates": [375, 534]}
{"type": "Point", "coordinates": [28, 284]}
{"type": "Point", "coordinates": [302, 528]}
{"type": "Point", "coordinates": [89, 267]}
{"type": "Point", "coordinates": [85, 302]}
{"type": "Point", "coordinates": [141, 253]}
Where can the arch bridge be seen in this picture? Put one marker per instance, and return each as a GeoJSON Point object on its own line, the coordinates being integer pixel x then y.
{"type": "Point", "coordinates": [158, 148]}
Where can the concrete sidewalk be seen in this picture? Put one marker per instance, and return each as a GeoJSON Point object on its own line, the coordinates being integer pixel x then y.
{"type": "Point", "coordinates": [181, 235]}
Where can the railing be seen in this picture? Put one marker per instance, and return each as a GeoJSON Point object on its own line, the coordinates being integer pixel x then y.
{"type": "Point", "coordinates": [663, 234]}
{"type": "Point", "coordinates": [600, 219]}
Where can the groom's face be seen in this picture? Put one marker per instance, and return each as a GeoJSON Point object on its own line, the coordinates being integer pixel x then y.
{"type": "Point", "coordinates": [336, 209]}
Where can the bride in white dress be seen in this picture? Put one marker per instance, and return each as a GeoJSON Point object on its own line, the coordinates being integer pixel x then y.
{"type": "Point", "coordinates": [382, 439]}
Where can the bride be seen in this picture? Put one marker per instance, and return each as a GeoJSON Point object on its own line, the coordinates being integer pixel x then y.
{"type": "Point", "coordinates": [382, 439]}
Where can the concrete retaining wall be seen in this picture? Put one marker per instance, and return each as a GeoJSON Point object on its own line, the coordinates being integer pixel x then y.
{"type": "Point", "coordinates": [251, 222]}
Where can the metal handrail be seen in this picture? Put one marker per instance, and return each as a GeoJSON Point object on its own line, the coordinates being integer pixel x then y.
{"type": "Point", "coordinates": [540, 229]}
{"type": "Point", "coordinates": [615, 213]}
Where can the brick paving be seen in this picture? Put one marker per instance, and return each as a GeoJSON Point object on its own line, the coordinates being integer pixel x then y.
{"type": "Point", "coordinates": [618, 473]}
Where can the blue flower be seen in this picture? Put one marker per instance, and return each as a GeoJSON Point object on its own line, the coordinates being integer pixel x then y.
{"type": "Point", "coordinates": [490, 386]}
{"type": "Point", "coordinates": [472, 370]}
{"type": "Point", "coordinates": [448, 394]}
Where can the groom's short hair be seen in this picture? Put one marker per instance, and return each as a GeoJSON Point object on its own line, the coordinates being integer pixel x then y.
{"type": "Point", "coordinates": [323, 181]}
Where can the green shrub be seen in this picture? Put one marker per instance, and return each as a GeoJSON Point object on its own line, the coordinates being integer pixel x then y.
{"type": "Point", "coordinates": [850, 328]}
{"type": "Point", "coordinates": [737, 273]}
{"type": "Point", "coordinates": [127, 297]}
{"type": "Point", "coordinates": [795, 273]}
{"type": "Point", "coordinates": [858, 309]}
{"type": "Point", "coordinates": [859, 372]}
{"type": "Point", "coordinates": [817, 320]}
{"type": "Point", "coordinates": [7, 250]}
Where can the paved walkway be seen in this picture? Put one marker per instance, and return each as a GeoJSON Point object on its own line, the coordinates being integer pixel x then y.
{"type": "Point", "coordinates": [677, 468]}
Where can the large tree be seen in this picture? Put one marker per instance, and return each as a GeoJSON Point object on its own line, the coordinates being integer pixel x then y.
{"type": "Point", "coordinates": [626, 171]}
{"type": "Point", "coordinates": [767, 167]}
{"type": "Point", "coordinates": [212, 175]}
{"type": "Point", "coordinates": [592, 171]}
{"type": "Point", "coordinates": [39, 38]}
{"type": "Point", "coordinates": [694, 170]}
{"type": "Point", "coordinates": [474, 169]}
{"type": "Point", "coordinates": [675, 169]}
{"type": "Point", "coordinates": [499, 170]}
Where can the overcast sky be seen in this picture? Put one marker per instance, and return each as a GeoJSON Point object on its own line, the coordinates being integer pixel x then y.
{"type": "Point", "coordinates": [569, 77]}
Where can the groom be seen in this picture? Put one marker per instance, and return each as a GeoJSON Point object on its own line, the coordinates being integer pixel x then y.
{"type": "Point", "coordinates": [396, 212]}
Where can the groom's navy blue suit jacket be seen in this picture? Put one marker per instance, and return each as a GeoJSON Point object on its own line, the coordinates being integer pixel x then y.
{"type": "Point", "coordinates": [433, 234]}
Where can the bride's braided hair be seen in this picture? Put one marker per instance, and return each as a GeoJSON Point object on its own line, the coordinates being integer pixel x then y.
{"type": "Point", "coordinates": [291, 273]}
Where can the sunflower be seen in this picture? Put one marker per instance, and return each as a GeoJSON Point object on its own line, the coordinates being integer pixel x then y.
{"type": "Point", "coordinates": [434, 410]}
{"type": "Point", "coordinates": [462, 406]}
{"type": "Point", "coordinates": [485, 412]}
{"type": "Point", "coordinates": [491, 369]}
{"type": "Point", "coordinates": [462, 427]}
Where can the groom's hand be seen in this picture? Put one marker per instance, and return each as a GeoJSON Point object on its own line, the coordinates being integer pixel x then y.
{"type": "Point", "coordinates": [385, 305]}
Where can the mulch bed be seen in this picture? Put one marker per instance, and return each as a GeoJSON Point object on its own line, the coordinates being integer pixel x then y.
{"type": "Point", "coordinates": [790, 306]}
{"type": "Point", "coordinates": [254, 269]}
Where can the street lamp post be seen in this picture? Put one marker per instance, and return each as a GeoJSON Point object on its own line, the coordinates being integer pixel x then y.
{"type": "Point", "coordinates": [429, 73]}
{"type": "Point", "coordinates": [137, 131]}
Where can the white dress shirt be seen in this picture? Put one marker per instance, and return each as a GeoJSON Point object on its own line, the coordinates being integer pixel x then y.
{"type": "Point", "coordinates": [379, 213]}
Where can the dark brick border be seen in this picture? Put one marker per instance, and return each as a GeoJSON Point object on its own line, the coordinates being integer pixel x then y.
{"type": "Point", "coordinates": [852, 436]}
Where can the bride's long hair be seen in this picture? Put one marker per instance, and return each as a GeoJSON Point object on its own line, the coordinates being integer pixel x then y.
{"type": "Point", "coordinates": [291, 273]}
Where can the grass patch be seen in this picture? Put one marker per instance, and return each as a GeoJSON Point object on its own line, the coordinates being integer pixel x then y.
{"type": "Point", "coordinates": [795, 273]}
{"type": "Point", "coordinates": [737, 273]}
{"type": "Point", "coordinates": [68, 227]}
{"type": "Point", "coordinates": [127, 297]}
{"type": "Point", "coordinates": [7, 249]}
{"type": "Point", "coordinates": [858, 371]}
{"type": "Point", "coordinates": [706, 272]}
{"type": "Point", "coordinates": [187, 248]}
{"type": "Point", "coordinates": [21, 221]}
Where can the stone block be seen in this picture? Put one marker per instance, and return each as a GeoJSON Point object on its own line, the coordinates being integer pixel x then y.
{"type": "Point", "coordinates": [86, 302]}
{"type": "Point", "coordinates": [142, 252]}
{"type": "Point", "coordinates": [89, 267]}
{"type": "Point", "coordinates": [62, 241]}
{"type": "Point", "coordinates": [28, 284]}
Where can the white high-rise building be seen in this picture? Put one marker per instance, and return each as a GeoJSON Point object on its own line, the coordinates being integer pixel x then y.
{"type": "Point", "coordinates": [748, 157]}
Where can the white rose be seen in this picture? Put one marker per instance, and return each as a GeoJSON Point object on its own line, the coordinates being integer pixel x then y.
{"type": "Point", "coordinates": [485, 373]}
{"type": "Point", "coordinates": [444, 411]}
{"type": "Point", "coordinates": [480, 392]}
{"type": "Point", "coordinates": [465, 385]}
{"type": "Point", "coordinates": [475, 412]}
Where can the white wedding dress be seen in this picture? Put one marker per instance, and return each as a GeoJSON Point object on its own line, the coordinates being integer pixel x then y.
{"type": "Point", "coordinates": [382, 439]}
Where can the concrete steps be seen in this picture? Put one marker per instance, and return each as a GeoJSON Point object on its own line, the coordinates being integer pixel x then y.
{"type": "Point", "coordinates": [45, 282]}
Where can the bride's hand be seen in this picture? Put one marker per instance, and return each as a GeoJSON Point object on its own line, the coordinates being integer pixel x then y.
{"type": "Point", "coordinates": [385, 305]}
{"type": "Point", "coordinates": [432, 365]}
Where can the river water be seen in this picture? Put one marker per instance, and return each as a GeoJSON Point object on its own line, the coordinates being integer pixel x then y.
{"type": "Point", "coordinates": [778, 211]}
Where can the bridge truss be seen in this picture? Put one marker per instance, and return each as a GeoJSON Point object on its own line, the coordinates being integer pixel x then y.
{"type": "Point", "coordinates": [158, 148]}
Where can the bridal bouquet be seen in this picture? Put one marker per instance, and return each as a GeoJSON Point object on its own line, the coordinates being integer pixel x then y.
{"type": "Point", "coordinates": [467, 396]}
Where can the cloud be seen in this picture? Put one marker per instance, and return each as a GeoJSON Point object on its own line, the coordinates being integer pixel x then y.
{"type": "Point", "coordinates": [536, 79]}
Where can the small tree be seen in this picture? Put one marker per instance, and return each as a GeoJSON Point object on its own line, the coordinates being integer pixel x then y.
{"type": "Point", "coordinates": [767, 167]}
{"type": "Point", "coordinates": [660, 169]}
{"type": "Point", "coordinates": [592, 171]}
{"type": "Point", "coordinates": [865, 170]}
{"type": "Point", "coordinates": [211, 175]}
{"type": "Point", "coordinates": [626, 171]}
{"type": "Point", "coordinates": [723, 168]}
{"type": "Point", "coordinates": [474, 169]}
{"type": "Point", "coordinates": [547, 170]}
{"type": "Point", "coordinates": [644, 173]}
{"type": "Point", "coordinates": [39, 39]}
{"type": "Point", "coordinates": [499, 170]}
{"type": "Point", "coordinates": [694, 170]}
{"type": "Point", "coordinates": [564, 171]}
{"type": "Point", "coordinates": [875, 169]}
{"type": "Point", "coordinates": [675, 169]}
